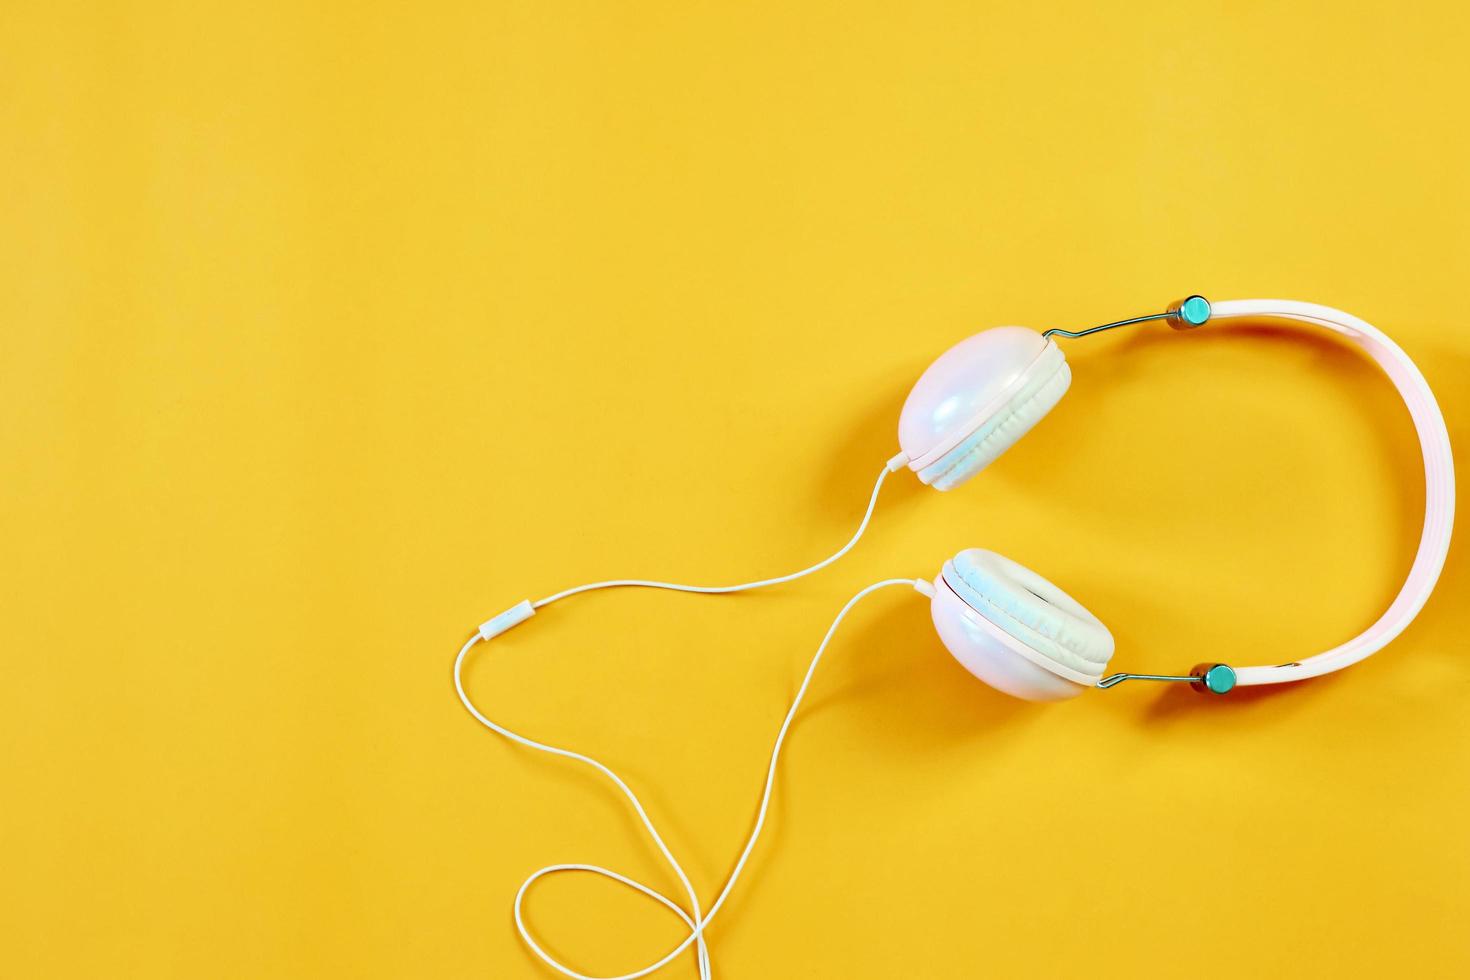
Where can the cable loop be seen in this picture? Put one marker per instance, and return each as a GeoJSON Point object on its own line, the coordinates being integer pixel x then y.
{"type": "Point", "coordinates": [693, 917]}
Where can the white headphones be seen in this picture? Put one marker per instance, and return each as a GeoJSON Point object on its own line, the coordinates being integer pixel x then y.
{"type": "Point", "coordinates": [1007, 625]}
{"type": "Point", "coordinates": [1023, 635]}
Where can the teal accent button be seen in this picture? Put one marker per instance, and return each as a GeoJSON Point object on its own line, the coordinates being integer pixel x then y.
{"type": "Point", "coordinates": [1219, 679]}
{"type": "Point", "coordinates": [1195, 310]}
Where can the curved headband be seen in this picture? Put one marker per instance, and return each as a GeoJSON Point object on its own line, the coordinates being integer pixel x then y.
{"type": "Point", "coordinates": [1439, 483]}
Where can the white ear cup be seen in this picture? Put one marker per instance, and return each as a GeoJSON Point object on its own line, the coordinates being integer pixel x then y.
{"type": "Point", "coordinates": [1028, 606]}
{"type": "Point", "coordinates": [1017, 631]}
{"type": "Point", "coordinates": [999, 432]}
{"type": "Point", "coordinates": [976, 400]}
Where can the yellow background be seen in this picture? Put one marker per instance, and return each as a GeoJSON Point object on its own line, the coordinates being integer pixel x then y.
{"type": "Point", "coordinates": [325, 335]}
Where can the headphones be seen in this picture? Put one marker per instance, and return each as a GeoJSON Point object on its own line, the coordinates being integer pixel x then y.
{"type": "Point", "coordinates": [1007, 625]}
{"type": "Point", "coordinates": [1021, 634]}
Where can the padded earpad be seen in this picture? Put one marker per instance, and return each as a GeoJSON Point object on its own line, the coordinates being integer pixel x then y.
{"type": "Point", "coordinates": [1040, 393]}
{"type": "Point", "coordinates": [1031, 609]}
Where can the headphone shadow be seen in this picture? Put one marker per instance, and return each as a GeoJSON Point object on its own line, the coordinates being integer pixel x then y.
{"type": "Point", "coordinates": [1179, 704]}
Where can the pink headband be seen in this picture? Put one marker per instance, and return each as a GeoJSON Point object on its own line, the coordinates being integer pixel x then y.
{"type": "Point", "coordinates": [1439, 484]}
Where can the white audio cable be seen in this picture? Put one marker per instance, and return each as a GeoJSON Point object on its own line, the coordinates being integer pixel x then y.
{"type": "Point", "coordinates": [693, 917]}
{"type": "Point", "coordinates": [525, 609]}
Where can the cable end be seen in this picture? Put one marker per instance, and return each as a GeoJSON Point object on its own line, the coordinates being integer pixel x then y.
{"type": "Point", "coordinates": [513, 616]}
{"type": "Point", "coordinates": [924, 588]}
{"type": "Point", "coordinates": [897, 462]}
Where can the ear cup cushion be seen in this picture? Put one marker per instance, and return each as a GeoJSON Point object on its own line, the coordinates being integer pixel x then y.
{"type": "Point", "coordinates": [1031, 609]}
{"type": "Point", "coordinates": [998, 433]}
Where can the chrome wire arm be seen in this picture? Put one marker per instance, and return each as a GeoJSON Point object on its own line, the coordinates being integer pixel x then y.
{"type": "Point", "coordinates": [1206, 678]}
{"type": "Point", "coordinates": [1113, 680]}
{"type": "Point", "coordinates": [1107, 326]}
{"type": "Point", "coordinates": [1186, 314]}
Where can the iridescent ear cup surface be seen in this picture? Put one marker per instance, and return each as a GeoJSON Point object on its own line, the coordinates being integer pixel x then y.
{"type": "Point", "coordinates": [976, 400]}
{"type": "Point", "coordinates": [1017, 631]}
